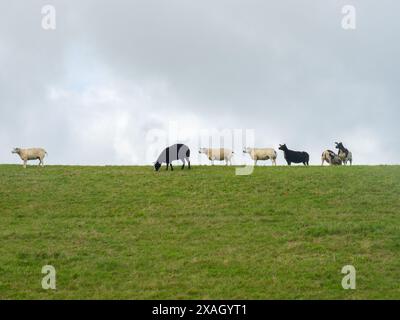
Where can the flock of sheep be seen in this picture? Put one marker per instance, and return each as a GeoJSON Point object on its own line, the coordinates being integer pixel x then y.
{"type": "Point", "coordinates": [182, 152]}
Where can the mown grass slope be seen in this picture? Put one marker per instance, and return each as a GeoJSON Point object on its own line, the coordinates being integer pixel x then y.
{"type": "Point", "coordinates": [131, 233]}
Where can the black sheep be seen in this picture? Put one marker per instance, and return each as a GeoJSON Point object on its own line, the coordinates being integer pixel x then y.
{"type": "Point", "coordinates": [172, 153]}
{"type": "Point", "coordinates": [294, 156]}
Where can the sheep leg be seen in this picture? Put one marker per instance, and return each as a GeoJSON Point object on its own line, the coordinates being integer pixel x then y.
{"type": "Point", "coordinates": [183, 166]}
{"type": "Point", "coordinates": [172, 169]}
{"type": "Point", "coordinates": [187, 159]}
{"type": "Point", "coordinates": [167, 166]}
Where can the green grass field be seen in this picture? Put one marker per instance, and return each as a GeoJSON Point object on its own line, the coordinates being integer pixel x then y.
{"type": "Point", "coordinates": [131, 233]}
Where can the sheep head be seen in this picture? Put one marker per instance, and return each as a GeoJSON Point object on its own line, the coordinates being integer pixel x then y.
{"type": "Point", "coordinates": [283, 147]}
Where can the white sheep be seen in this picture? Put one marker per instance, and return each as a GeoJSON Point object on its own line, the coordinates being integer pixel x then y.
{"type": "Point", "coordinates": [219, 154]}
{"type": "Point", "coordinates": [31, 154]}
{"type": "Point", "coordinates": [261, 154]}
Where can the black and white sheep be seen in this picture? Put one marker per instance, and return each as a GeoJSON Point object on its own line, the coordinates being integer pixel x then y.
{"type": "Point", "coordinates": [330, 157]}
{"type": "Point", "coordinates": [344, 154]}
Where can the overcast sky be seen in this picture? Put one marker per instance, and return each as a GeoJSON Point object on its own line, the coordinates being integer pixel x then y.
{"type": "Point", "coordinates": [108, 84]}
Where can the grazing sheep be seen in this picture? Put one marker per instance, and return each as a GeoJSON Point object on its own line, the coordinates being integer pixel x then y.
{"type": "Point", "coordinates": [294, 156]}
{"type": "Point", "coordinates": [172, 153]}
{"type": "Point", "coordinates": [219, 154]}
{"type": "Point", "coordinates": [261, 154]}
{"type": "Point", "coordinates": [344, 154]}
{"type": "Point", "coordinates": [31, 154]}
{"type": "Point", "coordinates": [330, 157]}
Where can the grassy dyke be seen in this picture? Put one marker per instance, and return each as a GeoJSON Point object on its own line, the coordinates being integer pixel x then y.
{"type": "Point", "coordinates": [131, 233]}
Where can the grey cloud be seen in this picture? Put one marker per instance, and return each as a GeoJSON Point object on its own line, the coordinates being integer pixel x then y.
{"type": "Point", "coordinates": [287, 70]}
